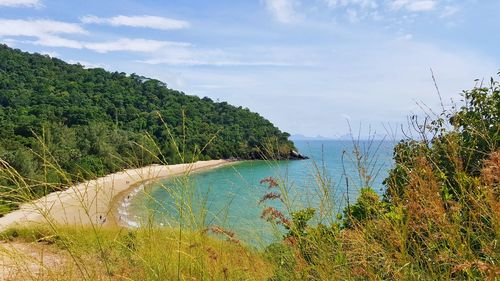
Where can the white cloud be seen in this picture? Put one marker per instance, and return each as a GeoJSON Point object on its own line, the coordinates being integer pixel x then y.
{"type": "Point", "coordinates": [191, 55]}
{"type": "Point", "coordinates": [86, 64]}
{"type": "Point", "coordinates": [46, 32]}
{"type": "Point", "coordinates": [8, 41]}
{"type": "Point", "coordinates": [196, 61]}
{"type": "Point", "coordinates": [37, 28]}
{"type": "Point", "coordinates": [414, 5]}
{"type": "Point", "coordinates": [136, 45]}
{"type": "Point", "coordinates": [390, 10]}
{"type": "Point", "coordinates": [365, 4]}
{"type": "Point", "coordinates": [57, 41]}
{"type": "Point", "coordinates": [132, 45]}
{"type": "Point", "coordinates": [410, 5]}
{"type": "Point", "coordinates": [282, 10]}
{"type": "Point", "coordinates": [50, 54]}
{"type": "Point", "coordinates": [20, 3]}
{"type": "Point", "coordinates": [138, 21]}
{"type": "Point", "coordinates": [449, 11]}
{"type": "Point", "coordinates": [407, 36]}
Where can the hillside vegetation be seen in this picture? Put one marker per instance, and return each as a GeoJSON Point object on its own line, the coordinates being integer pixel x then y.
{"type": "Point", "coordinates": [92, 122]}
{"type": "Point", "coordinates": [439, 217]}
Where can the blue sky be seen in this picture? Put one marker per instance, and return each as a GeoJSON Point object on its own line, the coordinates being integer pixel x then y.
{"type": "Point", "coordinates": [308, 66]}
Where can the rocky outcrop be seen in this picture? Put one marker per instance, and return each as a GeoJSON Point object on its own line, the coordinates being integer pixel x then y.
{"type": "Point", "coordinates": [294, 155]}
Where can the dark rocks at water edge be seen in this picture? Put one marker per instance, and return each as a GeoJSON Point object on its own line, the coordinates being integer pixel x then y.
{"type": "Point", "coordinates": [294, 155]}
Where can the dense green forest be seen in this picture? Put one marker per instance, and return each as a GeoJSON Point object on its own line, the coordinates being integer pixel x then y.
{"type": "Point", "coordinates": [90, 122]}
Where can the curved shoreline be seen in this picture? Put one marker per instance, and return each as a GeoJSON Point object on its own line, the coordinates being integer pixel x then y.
{"type": "Point", "coordinates": [137, 187]}
{"type": "Point", "coordinates": [122, 218]}
{"type": "Point", "coordinates": [94, 202]}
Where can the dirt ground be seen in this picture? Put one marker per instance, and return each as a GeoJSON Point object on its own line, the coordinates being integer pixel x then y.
{"type": "Point", "coordinates": [29, 261]}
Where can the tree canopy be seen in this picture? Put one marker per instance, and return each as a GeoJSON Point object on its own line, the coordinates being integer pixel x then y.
{"type": "Point", "coordinates": [92, 122]}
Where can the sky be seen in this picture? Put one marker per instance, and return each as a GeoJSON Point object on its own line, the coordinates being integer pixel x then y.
{"type": "Point", "coordinates": [309, 66]}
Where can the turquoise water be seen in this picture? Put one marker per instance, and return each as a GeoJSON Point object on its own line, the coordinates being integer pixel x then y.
{"type": "Point", "coordinates": [229, 196]}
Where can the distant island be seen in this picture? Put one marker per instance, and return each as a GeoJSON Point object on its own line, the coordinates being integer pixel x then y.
{"type": "Point", "coordinates": [299, 137]}
{"type": "Point", "coordinates": [344, 137]}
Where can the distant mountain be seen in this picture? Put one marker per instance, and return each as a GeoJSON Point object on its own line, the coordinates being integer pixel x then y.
{"type": "Point", "coordinates": [299, 137]}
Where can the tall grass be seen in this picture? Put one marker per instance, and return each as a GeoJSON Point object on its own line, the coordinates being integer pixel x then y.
{"type": "Point", "coordinates": [191, 249]}
{"type": "Point", "coordinates": [148, 253]}
{"type": "Point", "coordinates": [437, 220]}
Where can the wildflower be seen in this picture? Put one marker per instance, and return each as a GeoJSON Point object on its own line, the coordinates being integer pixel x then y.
{"type": "Point", "coordinates": [270, 181]}
{"type": "Point", "coordinates": [231, 237]}
{"type": "Point", "coordinates": [270, 196]}
{"type": "Point", "coordinates": [272, 215]}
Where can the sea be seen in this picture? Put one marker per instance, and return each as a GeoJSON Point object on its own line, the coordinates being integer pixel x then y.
{"type": "Point", "coordinates": [231, 197]}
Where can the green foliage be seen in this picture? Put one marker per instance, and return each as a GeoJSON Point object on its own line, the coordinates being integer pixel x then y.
{"type": "Point", "coordinates": [5, 207]}
{"type": "Point", "coordinates": [439, 217]}
{"type": "Point", "coordinates": [474, 137]}
{"type": "Point", "coordinates": [305, 248]}
{"type": "Point", "coordinates": [479, 124]}
{"type": "Point", "coordinates": [89, 122]}
{"type": "Point", "coordinates": [437, 193]}
{"type": "Point", "coordinates": [298, 227]}
{"type": "Point", "coordinates": [367, 207]}
{"type": "Point", "coordinates": [283, 259]}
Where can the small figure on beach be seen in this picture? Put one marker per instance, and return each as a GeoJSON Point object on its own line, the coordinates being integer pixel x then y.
{"type": "Point", "coordinates": [102, 219]}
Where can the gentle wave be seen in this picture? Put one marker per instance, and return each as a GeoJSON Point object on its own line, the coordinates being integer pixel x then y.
{"type": "Point", "coordinates": [124, 215]}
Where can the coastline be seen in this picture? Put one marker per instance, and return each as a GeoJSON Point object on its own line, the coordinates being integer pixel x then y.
{"type": "Point", "coordinates": [95, 202]}
{"type": "Point", "coordinates": [137, 187]}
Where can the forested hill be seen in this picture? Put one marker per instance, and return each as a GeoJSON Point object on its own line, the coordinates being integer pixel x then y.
{"type": "Point", "coordinates": [92, 121]}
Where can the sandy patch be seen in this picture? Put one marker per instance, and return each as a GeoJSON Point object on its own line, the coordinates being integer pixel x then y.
{"type": "Point", "coordinates": [94, 202]}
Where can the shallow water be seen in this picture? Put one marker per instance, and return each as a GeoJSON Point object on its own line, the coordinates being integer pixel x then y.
{"type": "Point", "coordinates": [229, 196]}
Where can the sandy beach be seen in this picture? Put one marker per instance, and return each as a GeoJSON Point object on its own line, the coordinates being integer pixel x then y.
{"type": "Point", "coordinates": [95, 201]}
